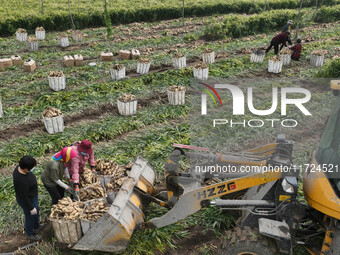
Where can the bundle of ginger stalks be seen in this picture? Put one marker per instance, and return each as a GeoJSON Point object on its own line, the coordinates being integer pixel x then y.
{"type": "Point", "coordinates": [118, 174]}
{"type": "Point", "coordinates": [95, 211]}
{"type": "Point", "coordinates": [286, 51]}
{"type": "Point", "coordinates": [91, 192]}
{"type": "Point", "coordinates": [51, 112]}
{"type": "Point", "coordinates": [88, 178]}
{"type": "Point", "coordinates": [67, 209]}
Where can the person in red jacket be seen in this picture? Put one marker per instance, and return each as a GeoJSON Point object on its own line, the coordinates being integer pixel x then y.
{"type": "Point", "coordinates": [76, 166]}
{"type": "Point", "coordinates": [280, 39]}
{"type": "Point", "coordinates": [296, 50]}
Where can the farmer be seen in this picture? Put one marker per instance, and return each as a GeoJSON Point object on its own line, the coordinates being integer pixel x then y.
{"type": "Point", "coordinates": [26, 193]}
{"type": "Point", "coordinates": [280, 39]}
{"type": "Point", "coordinates": [287, 27]}
{"type": "Point", "coordinates": [76, 166]}
{"type": "Point", "coordinates": [54, 172]}
{"type": "Point", "coordinates": [296, 50]}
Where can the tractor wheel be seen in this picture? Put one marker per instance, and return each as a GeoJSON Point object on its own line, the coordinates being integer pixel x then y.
{"type": "Point", "coordinates": [246, 241]}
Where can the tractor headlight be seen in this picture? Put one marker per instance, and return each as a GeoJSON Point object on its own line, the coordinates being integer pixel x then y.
{"type": "Point", "coordinates": [287, 187]}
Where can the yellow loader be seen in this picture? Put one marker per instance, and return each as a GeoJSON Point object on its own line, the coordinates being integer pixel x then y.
{"type": "Point", "coordinates": [273, 221]}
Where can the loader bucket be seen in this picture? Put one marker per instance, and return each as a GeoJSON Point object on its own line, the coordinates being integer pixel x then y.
{"type": "Point", "coordinates": [113, 231]}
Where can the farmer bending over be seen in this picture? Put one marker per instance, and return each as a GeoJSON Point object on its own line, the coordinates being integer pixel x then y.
{"type": "Point", "coordinates": [280, 39]}
{"type": "Point", "coordinates": [53, 174]}
{"type": "Point", "coordinates": [76, 166]}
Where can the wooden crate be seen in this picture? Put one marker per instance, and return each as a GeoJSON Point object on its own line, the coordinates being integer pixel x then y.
{"type": "Point", "coordinates": [5, 62]}
{"type": "Point", "coordinates": [106, 56]}
{"type": "Point", "coordinates": [78, 60]}
{"type": "Point", "coordinates": [135, 54]}
{"type": "Point", "coordinates": [124, 54]}
{"type": "Point", "coordinates": [16, 60]}
{"type": "Point", "coordinates": [69, 61]}
{"type": "Point", "coordinates": [67, 231]}
{"type": "Point", "coordinates": [29, 65]}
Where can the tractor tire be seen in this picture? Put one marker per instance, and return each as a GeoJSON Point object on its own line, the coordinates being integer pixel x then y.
{"type": "Point", "coordinates": [246, 241]}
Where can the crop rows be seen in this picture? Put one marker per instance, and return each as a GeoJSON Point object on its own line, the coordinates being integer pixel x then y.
{"type": "Point", "coordinates": [83, 82]}
{"type": "Point", "coordinates": [77, 98]}
{"type": "Point", "coordinates": [88, 96]}
{"type": "Point", "coordinates": [122, 151]}
{"type": "Point", "coordinates": [90, 14]}
{"type": "Point", "coordinates": [107, 128]}
{"type": "Point", "coordinates": [157, 125]}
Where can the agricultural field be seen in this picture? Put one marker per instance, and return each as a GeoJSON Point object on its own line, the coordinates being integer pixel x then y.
{"type": "Point", "coordinates": [55, 14]}
{"type": "Point", "coordinates": [89, 101]}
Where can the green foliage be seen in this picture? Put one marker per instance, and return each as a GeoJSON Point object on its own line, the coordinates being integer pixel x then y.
{"type": "Point", "coordinates": [237, 25]}
{"type": "Point", "coordinates": [69, 101]}
{"type": "Point", "coordinates": [147, 240]}
{"type": "Point", "coordinates": [215, 30]}
{"type": "Point", "coordinates": [330, 70]}
{"type": "Point", "coordinates": [211, 218]}
{"type": "Point", "coordinates": [108, 128]}
{"type": "Point", "coordinates": [124, 151]}
{"type": "Point", "coordinates": [189, 37]}
{"type": "Point", "coordinates": [45, 248]}
{"type": "Point", "coordinates": [328, 14]}
{"type": "Point", "coordinates": [15, 14]}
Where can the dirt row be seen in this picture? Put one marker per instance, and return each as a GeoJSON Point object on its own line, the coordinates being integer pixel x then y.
{"type": "Point", "coordinates": [125, 35]}
{"type": "Point", "coordinates": [94, 114]}
{"type": "Point", "coordinates": [144, 51]}
{"type": "Point", "coordinates": [152, 33]}
{"type": "Point", "coordinates": [166, 50]}
{"type": "Point", "coordinates": [174, 48]}
{"type": "Point", "coordinates": [88, 114]}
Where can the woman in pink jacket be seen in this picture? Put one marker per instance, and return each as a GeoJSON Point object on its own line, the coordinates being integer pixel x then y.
{"type": "Point", "coordinates": [76, 165]}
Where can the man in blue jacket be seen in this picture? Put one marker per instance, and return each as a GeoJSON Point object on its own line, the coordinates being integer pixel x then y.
{"type": "Point", "coordinates": [287, 27]}
{"type": "Point", "coordinates": [26, 192]}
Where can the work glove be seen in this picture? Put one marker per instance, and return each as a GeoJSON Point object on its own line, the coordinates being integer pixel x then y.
{"type": "Point", "coordinates": [69, 190]}
{"type": "Point", "coordinates": [76, 192]}
{"type": "Point", "coordinates": [94, 170]}
{"type": "Point", "coordinates": [34, 211]}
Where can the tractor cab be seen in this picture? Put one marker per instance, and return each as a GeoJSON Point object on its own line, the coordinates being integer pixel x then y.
{"type": "Point", "coordinates": [322, 179]}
